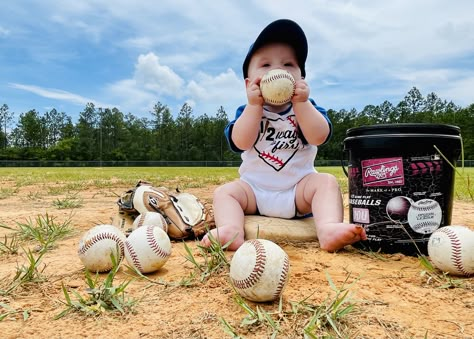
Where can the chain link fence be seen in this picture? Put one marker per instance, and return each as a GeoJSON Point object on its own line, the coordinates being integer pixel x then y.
{"type": "Point", "coordinates": [41, 163]}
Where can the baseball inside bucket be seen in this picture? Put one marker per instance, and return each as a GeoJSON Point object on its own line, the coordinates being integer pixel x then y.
{"type": "Point", "coordinates": [401, 183]}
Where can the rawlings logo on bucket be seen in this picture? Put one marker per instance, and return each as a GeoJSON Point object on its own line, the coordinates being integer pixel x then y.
{"type": "Point", "coordinates": [383, 172]}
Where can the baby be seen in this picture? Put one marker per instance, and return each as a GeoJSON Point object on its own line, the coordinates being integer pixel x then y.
{"type": "Point", "coordinates": [278, 146]}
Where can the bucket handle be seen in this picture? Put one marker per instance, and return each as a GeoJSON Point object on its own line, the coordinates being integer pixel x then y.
{"type": "Point", "coordinates": [342, 163]}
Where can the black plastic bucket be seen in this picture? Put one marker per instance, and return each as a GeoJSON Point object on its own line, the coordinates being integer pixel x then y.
{"type": "Point", "coordinates": [401, 184]}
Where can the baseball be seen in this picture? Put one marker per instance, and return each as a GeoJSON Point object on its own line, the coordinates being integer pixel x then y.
{"type": "Point", "coordinates": [150, 218]}
{"type": "Point", "coordinates": [424, 216]}
{"type": "Point", "coordinates": [147, 248]}
{"type": "Point", "coordinates": [96, 246]}
{"type": "Point", "coordinates": [277, 87]}
{"type": "Point", "coordinates": [397, 208]}
{"type": "Point", "coordinates": [451, 250]}
{"type": "Point", "coordinates": [259, 270]}
{"type": "Point", "coordinates": [142, 195]}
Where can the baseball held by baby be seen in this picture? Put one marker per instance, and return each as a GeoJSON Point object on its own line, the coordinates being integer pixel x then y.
{"type": "Point", "coordinates": [269, 57]}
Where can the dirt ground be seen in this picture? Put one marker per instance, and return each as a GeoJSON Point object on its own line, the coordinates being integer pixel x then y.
{"type": "Point", "coordinates": [393, 295]}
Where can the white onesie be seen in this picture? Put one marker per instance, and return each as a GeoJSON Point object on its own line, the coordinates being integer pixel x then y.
{"type": "Point", "coordinates": [278, 160]}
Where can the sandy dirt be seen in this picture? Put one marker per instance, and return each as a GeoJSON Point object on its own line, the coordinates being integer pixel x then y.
{"type": "Point", "coordinates": [393, 295]}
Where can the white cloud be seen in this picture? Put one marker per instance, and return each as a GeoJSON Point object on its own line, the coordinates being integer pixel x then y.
{"type": "Point", "coordinates": [81, 26]}
{"type": "Point", "coordinates": [57, 94]}
{"type": "Point", "coordinates": [152, 82]}
{"type": "Point", "coordinates": [132, 98]}
{"type": "Point", "coordinates": [160, 79]}
{"type": "Point", "coordinates": [458, 90]}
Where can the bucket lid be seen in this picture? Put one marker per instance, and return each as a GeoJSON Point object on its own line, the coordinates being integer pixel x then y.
{"type": "Point", "coordinates": [404, 128]}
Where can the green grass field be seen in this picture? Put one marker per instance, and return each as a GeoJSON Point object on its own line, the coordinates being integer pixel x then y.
{"type": "Point", "coordinates": [73, 178]}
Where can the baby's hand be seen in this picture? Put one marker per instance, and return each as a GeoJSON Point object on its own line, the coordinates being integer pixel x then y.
{"type": "Point", "coordinates": [301, 91]}
{"type": "Point", "coordinates": [254, 95]}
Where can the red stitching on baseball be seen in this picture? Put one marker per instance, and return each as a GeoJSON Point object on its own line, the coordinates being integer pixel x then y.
{"type": "Point", "coordinates": [257, 271]}
{"type": "Point", "coordinates": [272, 158]}
{"type": "Point", "coordinates": [157, 249]}
{"type": "Point", "coordinates": [283, 277]}
{"type": "Point", "coordinates": [141, 220]}
{"type": "Point", "coordinates": [282, 75]}
{"type": "Point", "coordinates": [134, 256]}
{"type": "Point", "coordinates": [456, 257]}
{"type": "Point", "coordinates": [102, 236]}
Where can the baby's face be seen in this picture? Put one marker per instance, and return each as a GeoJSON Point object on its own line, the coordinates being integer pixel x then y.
{"type": "Point", "coordinates": [272, 56]}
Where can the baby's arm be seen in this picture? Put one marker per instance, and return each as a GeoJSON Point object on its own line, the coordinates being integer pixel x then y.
{"type": "Point", "coordinates": [245, 130]}
{"type": "Point", "coordinates": [313, 124]}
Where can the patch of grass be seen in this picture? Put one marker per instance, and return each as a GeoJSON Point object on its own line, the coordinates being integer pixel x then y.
{"type": "Point", "coordinates": [57, 190]}
{"type": "Point", "coordinates": [464, 187]}
{"type": "Point", "coordinates": [7, 311]}
{"type": "Point", "coordinates": [214, 257]}
{"type": "Point", "coordinates": [101, 297]}
{"type": "Point", "coordinates": [75, 186]}
{"type": "Point", "coordinates": [31, 273]}
{"type": "Point", "coordinates": [9, 244]}
{"type": "Point", "coordinates": [102, 183]}
{"type": "Point", "coordinates": [327, 320]}
{"type": "Point", "coordinates": [7, 192]}
{"type": "Point", "coordinates": [439, 279]}
{"type": "Point", "coordinates": [70, 201]}
{"type": "Point", "coordinates": [255, 317]}
{"type": "Point", "coordinates": [45, 230]}
{"type": "Point", "coordinates": [34, 196]}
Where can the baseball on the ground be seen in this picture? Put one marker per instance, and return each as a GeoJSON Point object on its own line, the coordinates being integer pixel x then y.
{"type": "Point", "coordinates": [150, 218]}
{"type": "Point", "coordinates": [142, 195]}
{"type": "Point", "coordinates": [259, 270]}
{"type": "Point", "coordinates": [277, 87]}
{"type": "Point", "coordinates": [451, 250]}
{"type": "Point", "coordinates": [97, 245]}
{"type": "Point", "coordinates": [147, 248]}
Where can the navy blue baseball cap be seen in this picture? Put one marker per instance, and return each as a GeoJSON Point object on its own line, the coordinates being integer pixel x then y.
{"type": "Point", "coordinates": [285, 31]}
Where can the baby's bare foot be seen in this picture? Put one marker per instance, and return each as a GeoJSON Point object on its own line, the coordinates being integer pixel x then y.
{"type": "Point", "coordinates": [224, 234]}
{"type": "Point", "coordinates": [334, 236]}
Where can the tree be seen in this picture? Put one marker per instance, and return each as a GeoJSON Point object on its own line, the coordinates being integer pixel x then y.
{"type": "Point", "coordinates": [55, 124]}
{"type": "Point", "coordinates": [88, 146]}
{"type": "Point", "coordinates": [221, 122]}
{"type": "Point", "coordinates": [386, 111]}
{"type": "Point", "coordinates": [161, 118]}
{"type": "Point", "coordinates": [434, 104]}
{"type": "Point", "coordinates": [184, 123]}
{"type": "Point", "coordinates": [31, 130]}
{"type": "Point", "coordinates": [415, 101]}
{"type": "Point", "coordinates": [6, 118]}
{"type": "Point", "coordinates": [137, 138]}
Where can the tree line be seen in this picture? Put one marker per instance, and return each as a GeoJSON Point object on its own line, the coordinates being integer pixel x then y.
{"type": "Point", "coordinates": [107, 134]}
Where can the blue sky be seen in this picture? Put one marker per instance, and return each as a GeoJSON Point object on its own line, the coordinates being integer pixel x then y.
{"type": "Point", "coordinates": [133, 54]}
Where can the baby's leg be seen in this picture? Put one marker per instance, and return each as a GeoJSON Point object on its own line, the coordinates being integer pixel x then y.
{"type": "Point", "coordinates": [319, 193]}
{"type": "Point", "coordinates": [231, 202]}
